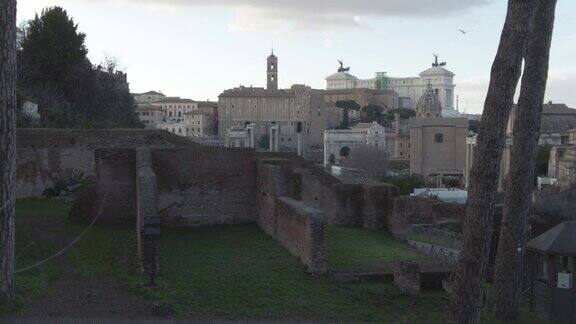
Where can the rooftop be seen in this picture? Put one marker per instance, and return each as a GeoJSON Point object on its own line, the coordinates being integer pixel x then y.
{"type": "Point", "coordinates": [559, 240]}
{"type": "Point", "coordinates": [175, 100]}
{"type": "Point", "coordinates": [154, 93]}
{"type": "Point", "coordinates": [257, 92]}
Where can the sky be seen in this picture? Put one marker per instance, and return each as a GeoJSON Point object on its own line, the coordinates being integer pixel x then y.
{"type": "Point", "coordinates": [198, 48]}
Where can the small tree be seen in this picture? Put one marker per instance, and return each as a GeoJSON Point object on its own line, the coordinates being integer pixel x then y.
{"type": "Point", "coordinates": [368, 158]}
{"type": "Point", "coordinates": [404, 113]}
{"type": "Point", "coordinates": [371, 113]}
{"type": "Point", "coordinates": [346, 106]}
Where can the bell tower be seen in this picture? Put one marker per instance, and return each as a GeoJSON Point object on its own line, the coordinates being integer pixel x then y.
{"type": "Point", "coordinates": [272, 72]}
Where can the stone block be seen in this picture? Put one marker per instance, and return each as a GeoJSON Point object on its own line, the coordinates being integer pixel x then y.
{"type": "Point", "coordinates": [407, 277]}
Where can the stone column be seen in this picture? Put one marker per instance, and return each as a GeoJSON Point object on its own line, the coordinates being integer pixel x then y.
{"type": "Point", "coordinates": [299, 144]}
{"type": "Point", "coordinates": [274, 130]}
{"type": "Point", "coordinates": [276, 139]}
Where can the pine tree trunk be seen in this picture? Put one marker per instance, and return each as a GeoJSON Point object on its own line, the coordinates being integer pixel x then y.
{"type": "Point", "coordinates": [7, 147]}
{"type": "Point", "coordinates": [508, 276]}
{"type": "Point", "coordinates": [469, 279]}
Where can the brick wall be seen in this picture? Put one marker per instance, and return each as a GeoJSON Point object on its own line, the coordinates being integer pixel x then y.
{"type": "Point", "coordinates": [301, 229]}
{"type": "Point", "coordinates": [43, 152]}
{"type": "Point", "coordinates": [377, 204]}
{"type": "Point", "coordinates": [274, 180]}
{"type": "Point", "coordinates": [409, 210]}
{"type": "Point", "coordinates": [115, 185]}
{"type": "Point", "coordinates": [346, 205]}
{"type": "Point", "coordinates": [205, 185]}
{"type": "Point", "coordinates": [297, 226]}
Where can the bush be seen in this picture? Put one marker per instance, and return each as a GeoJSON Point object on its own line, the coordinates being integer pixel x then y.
{"type": "Point", "coordinates": [406, 183]}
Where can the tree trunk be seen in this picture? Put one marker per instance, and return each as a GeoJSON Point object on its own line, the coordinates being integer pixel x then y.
{"type": "Point", "coordinates": [508, 276]}
{"type": "Point", "coordinates": [469, 279]}
{"type": "Point", "coordinates": [7, 147]}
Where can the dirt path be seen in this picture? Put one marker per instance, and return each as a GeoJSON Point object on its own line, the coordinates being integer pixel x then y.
{"type": "Point", "coordinates": [94, 296]}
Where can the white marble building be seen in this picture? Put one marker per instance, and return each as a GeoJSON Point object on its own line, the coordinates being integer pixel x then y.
{"type": "Point", "coordinates": [408, 88]}
{"type": "Point", "coordinates": [339, 144]}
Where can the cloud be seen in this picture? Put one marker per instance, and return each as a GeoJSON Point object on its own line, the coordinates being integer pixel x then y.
{"type": "Point", "coordinates": [560, 88]}
{"type": "Point", "coordinates": [290, 15]}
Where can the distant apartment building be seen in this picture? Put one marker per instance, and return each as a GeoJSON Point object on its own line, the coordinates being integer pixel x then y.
{"type": "Point", "coordinates": [151, 116]}
{"type": "Point", "coordinates": [184, 117]}
{"type": "Point", "coordinates": [176, 107]}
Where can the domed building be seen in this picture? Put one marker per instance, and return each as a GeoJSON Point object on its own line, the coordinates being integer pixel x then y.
{"type": "Point", "coordinates": [429, 105]}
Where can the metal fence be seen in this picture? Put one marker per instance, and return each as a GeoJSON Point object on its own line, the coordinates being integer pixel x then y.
{"type": "Point", "coordinates": [439, 244]}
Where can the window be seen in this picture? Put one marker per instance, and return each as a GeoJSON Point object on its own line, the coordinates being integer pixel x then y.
{"type": "Point", "coordinates": [438, 138]}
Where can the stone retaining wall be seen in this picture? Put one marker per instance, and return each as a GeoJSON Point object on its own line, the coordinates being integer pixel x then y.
{"type": "Point", "coordinates": [42, 153]}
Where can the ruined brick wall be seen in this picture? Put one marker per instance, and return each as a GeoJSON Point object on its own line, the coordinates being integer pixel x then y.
{"type": "Point", "coordinates": [346, 206]}
{"type": "Point", "coordinates": [115, 185]}
{"type": "Point", "coordinates": [377, 204]}
{"type": "Point", "coordinates": [297, 226]}
{"type": "Point", "coordinates": [315, 187]}
{"type": "Point", "coordinates": [205, 185]}
{"type": "Point", "coordinates": [301, 230]}
{"type": "Point", "coordinates": [409, 210]}
{"type": "Point", "coordinates": [274, 180]}
{"type": "Point", "coordinates": [41, 153]}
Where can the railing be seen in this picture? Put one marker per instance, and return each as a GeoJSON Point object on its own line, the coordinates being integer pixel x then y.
{"type": "Point", "coordinates": [439, 244]}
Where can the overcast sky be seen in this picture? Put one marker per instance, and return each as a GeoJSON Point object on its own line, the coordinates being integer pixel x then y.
{"type": "Point", "coordinates": [198, 48]}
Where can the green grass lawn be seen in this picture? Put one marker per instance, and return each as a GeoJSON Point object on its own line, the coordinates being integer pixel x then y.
{"type": "Point", "coordinates": [361, 248]}
{"type": "Point", "coordinates": [235, 272]}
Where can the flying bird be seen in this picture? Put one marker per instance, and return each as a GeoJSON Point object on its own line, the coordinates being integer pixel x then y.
{"type": "Point", "coordinates": [462, 31]}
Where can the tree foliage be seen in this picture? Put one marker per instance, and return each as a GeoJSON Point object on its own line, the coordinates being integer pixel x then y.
{"type": "Point", "coordinates": [474, 126]}
{"type": "Point", "coordinates": [346, 106]}
{"type": "Point", "coordinates": [55, 72]}
{"type": "Point", "coordinates": [371, 113]}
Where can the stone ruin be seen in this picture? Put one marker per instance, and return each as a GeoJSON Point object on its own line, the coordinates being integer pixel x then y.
{"type": "Point", "coordinates": [150, 178]}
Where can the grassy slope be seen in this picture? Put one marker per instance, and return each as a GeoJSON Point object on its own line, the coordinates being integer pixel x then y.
{"type": "Point", "coordinates": [230, 271]}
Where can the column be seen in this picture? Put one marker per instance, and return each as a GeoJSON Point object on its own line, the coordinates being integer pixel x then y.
{"type": "Point", "coordinates": [299, 144]}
